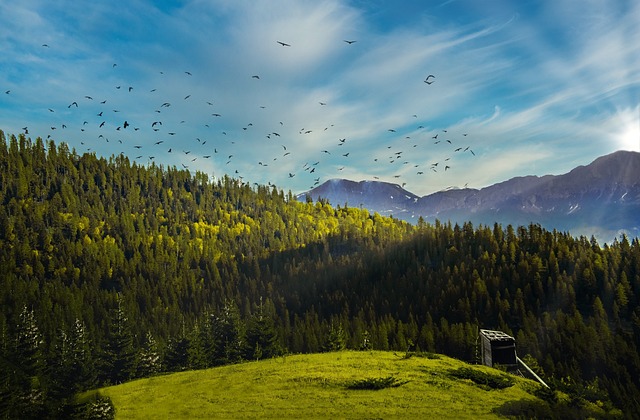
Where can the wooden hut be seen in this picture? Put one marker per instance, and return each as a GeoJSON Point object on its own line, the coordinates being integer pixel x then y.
{"type": "Point", "coordinates": [498, 348]}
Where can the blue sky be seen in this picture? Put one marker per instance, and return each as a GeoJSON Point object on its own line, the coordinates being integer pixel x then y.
{"type": "Point", "coordinates": [519, 87]}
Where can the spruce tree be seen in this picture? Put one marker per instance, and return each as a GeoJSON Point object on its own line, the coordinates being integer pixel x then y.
{"type": "Point", "coordinates": [149, 362]}
{"type": "Point", "coordinates": [176, 357]}
{"type": "Point", "coordinates": [336, 338]}
{"type": "Point", "coordinates": [119, 354]}
{"type": "Point", "coordinates": [261, 338]}
{"type": "Point", "coordinates": [27, 397]}
{"type": "Point", "coordinates": [228, 335]}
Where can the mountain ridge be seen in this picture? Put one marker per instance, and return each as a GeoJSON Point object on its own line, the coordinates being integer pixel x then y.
{"type": "Point", "coordinates": [601, 199]}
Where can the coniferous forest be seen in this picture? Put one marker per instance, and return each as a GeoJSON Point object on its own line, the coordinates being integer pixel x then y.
{"type": "Point", "coordinates": [112, 271]}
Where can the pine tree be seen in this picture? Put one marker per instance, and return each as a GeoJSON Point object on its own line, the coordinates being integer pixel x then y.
{"type": "Point", "coordinates": [149, 362]}
{"type": "Point", "coordinates": [365, 343]}
{"type": "Point", "coordinates": [176, 357]}
{"type": "Point", "coordinates": [119, 354]}
{"type": "Point", "coordinates": [196, 356]}
{"type": "Point", "coordinates": [228, 335]}
{"type": "Point", "coordinates": [336, 339]}
{"type": "Point", "coordinates": [261, 338]}
{"type": "Point", "coordinates": [27, 397]}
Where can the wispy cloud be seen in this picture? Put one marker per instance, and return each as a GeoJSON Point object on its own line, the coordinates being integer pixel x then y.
{"type": "Point", "coordinates": [530, 89]}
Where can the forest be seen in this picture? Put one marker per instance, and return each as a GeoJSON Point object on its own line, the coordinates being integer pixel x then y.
{"type": "Point", "coordinates": [112, 271]}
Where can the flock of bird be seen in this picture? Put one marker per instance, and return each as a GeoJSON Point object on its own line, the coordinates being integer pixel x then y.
{"type": "Point", "coordinates": [147, 135]}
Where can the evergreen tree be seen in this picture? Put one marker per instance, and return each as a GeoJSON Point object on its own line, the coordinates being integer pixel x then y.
{"type": "Point", "coordinates": [24, 370]}
{"type": "Point", "coordinates": [261, 338]}
{"type": "Point", "coordinates": [176, 357]}
{"type": "Point", "coordinates": [196, 355]}
{"type": "Point", "coordinates": [228, 335]}
{"type": "Point", "coordinates": [149, 362]}
{"type": "Point", "coordinates": [365, 342]}
{"type": "Point", "coordinates": [336, 338]}
{"type": "Point", "coordinates": [119, 355]}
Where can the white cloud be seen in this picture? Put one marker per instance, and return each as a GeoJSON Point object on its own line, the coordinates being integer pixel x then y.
{"type": "Point", "coordinates": [536, 91]}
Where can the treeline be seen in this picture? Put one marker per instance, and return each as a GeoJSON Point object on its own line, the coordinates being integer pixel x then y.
{"type": "Point", "coordinates": [112, 270]}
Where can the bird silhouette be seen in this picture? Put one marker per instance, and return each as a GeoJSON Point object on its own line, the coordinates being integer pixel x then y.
{"type": "Point", "coordinates": [349, 42]}
{"type": "Point", "coordinates": [284, 44]}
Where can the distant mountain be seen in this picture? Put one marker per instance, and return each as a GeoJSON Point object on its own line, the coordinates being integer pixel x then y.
{"type": "Point", "coordinates": [600, 199]}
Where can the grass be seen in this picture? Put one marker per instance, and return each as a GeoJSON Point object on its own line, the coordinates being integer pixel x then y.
{"type": "Point", "coordinates": [347, 384]}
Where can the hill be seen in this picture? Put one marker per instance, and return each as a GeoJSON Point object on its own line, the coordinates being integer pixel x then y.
{"type": "Point", "coordinates": [112, 271]}
{"type": "Point", "coordinates": [601, 199]}
{"type": "Point", "coordinates": [339, 385]}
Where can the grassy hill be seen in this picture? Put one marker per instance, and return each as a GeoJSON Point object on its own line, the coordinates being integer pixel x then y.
{"type": "Point", "coordinates": [346, 384]}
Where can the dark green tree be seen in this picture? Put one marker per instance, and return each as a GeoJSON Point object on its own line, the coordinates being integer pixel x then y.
{"type": "Point", "coordinates": [119, 355]}
{"type": "Point", "coordinates": [336, 338]}
{"type": "Point", "coordinates": [261, 338]}
{"type": "Point", "coordinates": [228, 335]}
{"type": "Point", "coordinates": [149, 361]}
{"type": "Point", "coordinates": [23, 371]}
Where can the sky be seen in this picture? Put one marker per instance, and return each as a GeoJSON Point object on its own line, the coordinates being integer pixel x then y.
{"type": "Point", "coordinates": [430, 95]}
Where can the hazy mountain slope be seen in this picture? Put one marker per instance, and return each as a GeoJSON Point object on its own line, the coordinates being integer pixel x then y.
{"type": "Point", "coordinates": [600, 199]}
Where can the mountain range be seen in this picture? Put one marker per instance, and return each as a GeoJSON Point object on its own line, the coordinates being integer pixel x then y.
{"type": "Point", "coordinates": [601, 199]}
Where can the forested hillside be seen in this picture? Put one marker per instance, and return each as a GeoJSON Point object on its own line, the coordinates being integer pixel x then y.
{"type": "Point", "coordinates": [112, 270]}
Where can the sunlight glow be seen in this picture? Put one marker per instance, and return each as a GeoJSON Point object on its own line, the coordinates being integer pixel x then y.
{"type": "Point", "coordinates": [628, 137]}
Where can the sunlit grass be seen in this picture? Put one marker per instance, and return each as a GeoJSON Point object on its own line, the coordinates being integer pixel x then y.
{"type": "Point", "coordinates": [319, 386]}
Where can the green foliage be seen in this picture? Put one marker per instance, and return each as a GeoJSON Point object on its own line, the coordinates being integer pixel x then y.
{"type": "Point", "coordinates": [93, 406]}
{"type": "Point", "coordinates": [486, 380]}
{"type": "Point", "coordinates": [336, 339]}
{"type": "Point", "coordinates": [375, 384]}
{"type": "Point", "coordinates": [189, 259]}
{"type": "Point", "coordinates": [261, 337]}
{"type": "Point", "coordinates": [119, 353]}
{"type": "Point", "coordinates": [149, 361]}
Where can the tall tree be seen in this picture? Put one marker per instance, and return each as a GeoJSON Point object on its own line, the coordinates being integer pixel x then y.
{"type": "Point", "coordinates": [261, 338]}
{"type": "Point", "coordinates": [119, 354]}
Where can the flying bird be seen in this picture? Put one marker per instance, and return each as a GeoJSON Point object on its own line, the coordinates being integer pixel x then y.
{"type": "Point", "coordinates": [349, 42]}
{"type": "Point", "coordinates": [284, 44]}
{"type": "Point", "coordinates": [428, 79]}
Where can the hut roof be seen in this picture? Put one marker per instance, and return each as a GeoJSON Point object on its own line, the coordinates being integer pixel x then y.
{"type": "Point", "coordinates": [496, 335]}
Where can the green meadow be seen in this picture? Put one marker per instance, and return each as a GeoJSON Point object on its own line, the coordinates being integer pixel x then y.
{"type": "Point", "coordinates": [346, 384]}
